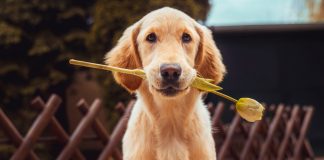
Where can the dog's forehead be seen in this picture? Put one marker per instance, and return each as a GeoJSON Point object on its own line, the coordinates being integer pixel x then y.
{"type": "Point", "coordinates": [167, 17]}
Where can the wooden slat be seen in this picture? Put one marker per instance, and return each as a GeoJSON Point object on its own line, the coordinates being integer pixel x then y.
{"type": "Point", "coordinates": [76, 137]}
{"type": "Point", "coordinates": [99, 128]}
{"type": "Point", "coordinates": [252, 136]}
{"type": "Point", "coordinates": [56, 127]}
{"type": "Point", "coordinates": [272, 129]}
{"type": "Point", "coordinates": [37, 128]}
{"type": "Point", "coordinates": [118, 133]}
{"type": "Point", "coordinates": [303, 131]}
{"type": "Point", "coordinates": [14, 135]}
{"type": "Point", "coordinates": [288, 132]}
{"type": "Point", "coordinates": [229, 137]}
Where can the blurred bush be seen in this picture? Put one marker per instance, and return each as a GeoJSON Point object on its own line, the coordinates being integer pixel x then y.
{"type": "Point", "coordinates": [38, 37]}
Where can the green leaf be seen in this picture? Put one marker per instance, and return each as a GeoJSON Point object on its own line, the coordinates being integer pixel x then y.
{"type": "Point", "coordinates": [8, 68]}
{"type": "Point", "coordinates": [45, 43]}
{"type": "Point", "coordinates": [57, 76]}
{"type": "Point", "coordinates": [9, 34]}
{"type": "Point", "coordinates": [72, 12]}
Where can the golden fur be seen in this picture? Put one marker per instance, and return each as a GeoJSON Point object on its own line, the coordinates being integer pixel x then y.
{"type": "Point", "coordinates": [161, 127]}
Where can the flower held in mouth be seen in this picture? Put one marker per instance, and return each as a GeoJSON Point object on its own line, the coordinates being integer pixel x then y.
{"type": "Point", "coordinates": [249, 109]}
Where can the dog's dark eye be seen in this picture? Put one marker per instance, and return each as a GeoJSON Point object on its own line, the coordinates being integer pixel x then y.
{"type": "Point", "coordinates": [186, 38]}
{"type": "Point", "coordinates": [151, 38]}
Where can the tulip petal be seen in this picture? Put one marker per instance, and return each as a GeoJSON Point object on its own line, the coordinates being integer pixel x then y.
{"type": "Point", "coordinates": [204, 84]}
{"type": "Point", "coordinates": [249, 109]}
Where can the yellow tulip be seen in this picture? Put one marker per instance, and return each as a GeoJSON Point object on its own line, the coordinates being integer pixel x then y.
{"type": "Point", "coordinates": [249, 109]}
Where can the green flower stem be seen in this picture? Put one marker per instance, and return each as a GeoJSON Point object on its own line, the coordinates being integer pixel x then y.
{"type": "Point", "coordinates": [224, 96]}
{"type": "Point", "coordinates": [105, 67]}
{"type": "Point", "coordinates": [200, 83]}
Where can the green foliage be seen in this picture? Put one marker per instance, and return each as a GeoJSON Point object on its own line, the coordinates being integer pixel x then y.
{"type": "Point", "coordinates": [38, 37]}
{"type": "Point", "coordinates": [9, 34]}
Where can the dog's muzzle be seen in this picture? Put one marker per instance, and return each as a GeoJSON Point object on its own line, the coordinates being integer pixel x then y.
{"type": "Point", "coordinates": [170, 74]}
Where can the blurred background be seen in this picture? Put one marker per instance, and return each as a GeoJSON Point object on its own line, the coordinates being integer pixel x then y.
{"type": "Point", "coordinates": [273, 50]}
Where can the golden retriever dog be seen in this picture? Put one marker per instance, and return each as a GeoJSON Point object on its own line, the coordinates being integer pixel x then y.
{"type": "Point", "coordinates": [169, 120]}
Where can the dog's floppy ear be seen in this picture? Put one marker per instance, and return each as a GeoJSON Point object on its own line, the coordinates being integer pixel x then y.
{"type": "Point", "coordinates": [208, 61]}
{"type": "Point", "coordinates": [125, 55]}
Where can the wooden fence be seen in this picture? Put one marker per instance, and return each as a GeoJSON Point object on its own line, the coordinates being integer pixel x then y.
{"type": "Point", "coordinates": [280, 135]}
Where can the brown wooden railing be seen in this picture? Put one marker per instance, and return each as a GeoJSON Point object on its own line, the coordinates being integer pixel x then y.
{"type": "Point", "coordinates": [282, 134]}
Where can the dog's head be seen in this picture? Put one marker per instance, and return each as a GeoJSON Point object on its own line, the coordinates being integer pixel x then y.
{"type": "Point", "coordinates": [172, 48]}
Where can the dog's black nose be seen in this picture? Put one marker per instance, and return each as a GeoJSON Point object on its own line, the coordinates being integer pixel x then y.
{"type": "Point", "coordinates": [170, 72]}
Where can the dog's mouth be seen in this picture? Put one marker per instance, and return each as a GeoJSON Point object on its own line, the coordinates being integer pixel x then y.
{"type": "Point", "coordinates": [170, 90]}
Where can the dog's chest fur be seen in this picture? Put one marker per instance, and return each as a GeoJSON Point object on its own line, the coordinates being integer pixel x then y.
{"type": "Point", "coordinates": [179, 130]}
